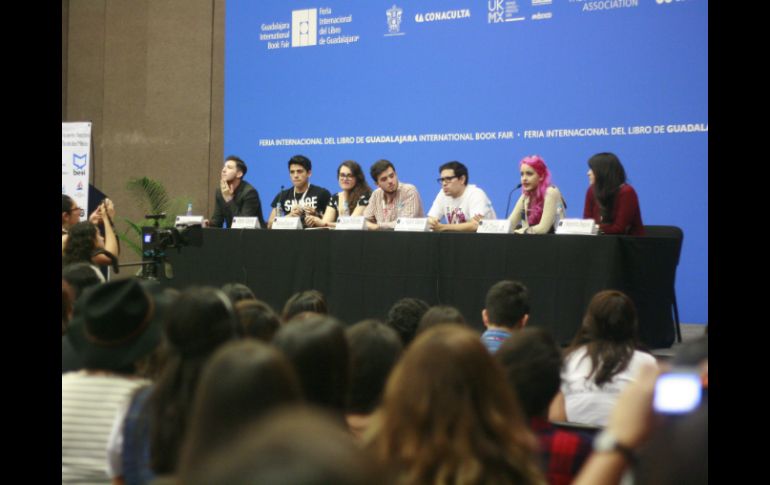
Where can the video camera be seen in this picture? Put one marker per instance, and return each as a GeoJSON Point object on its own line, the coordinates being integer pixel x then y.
{"type": "Point", "coordinates": [157, 240]}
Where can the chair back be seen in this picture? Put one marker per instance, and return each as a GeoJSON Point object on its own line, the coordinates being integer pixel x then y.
{"type": "Point", "coordinates": [672, 232]}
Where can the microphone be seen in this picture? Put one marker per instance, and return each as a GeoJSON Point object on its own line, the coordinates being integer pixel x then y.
{"type": "Point", "coordinates": [278, 206]}
{"type": "Point", "coordinates": [508, 205]}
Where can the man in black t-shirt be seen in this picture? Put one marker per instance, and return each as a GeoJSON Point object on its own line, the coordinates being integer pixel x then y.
{"type": "Point", "coordinates": [303, 198]}
{"type": "Point", "coordinates": [235, 196]}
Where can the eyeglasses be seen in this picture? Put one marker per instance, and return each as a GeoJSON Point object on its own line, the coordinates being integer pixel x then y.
{"type": "Point", "coordinates": [446, 179]}
{"type": "Point", "coordinates": [76, 209]}
{"type": "Point", "coordinates": [346, 176]}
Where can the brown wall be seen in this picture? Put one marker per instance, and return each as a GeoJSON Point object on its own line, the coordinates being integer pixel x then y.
{"type": "Point", "coordinates": [149, 75]}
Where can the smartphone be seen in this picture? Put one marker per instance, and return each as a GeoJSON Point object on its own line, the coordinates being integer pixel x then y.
{"type": "Point", "coordinates": [677, 391]}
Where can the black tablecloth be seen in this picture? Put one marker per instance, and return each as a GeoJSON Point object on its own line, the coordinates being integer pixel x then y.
{"type": "Point", "coordinates": [363, 273]}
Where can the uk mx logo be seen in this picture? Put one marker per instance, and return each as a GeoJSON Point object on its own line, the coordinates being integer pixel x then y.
{"type": "Point", "coordinates": [82, 158]}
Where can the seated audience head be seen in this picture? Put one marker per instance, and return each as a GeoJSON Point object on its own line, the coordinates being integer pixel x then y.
{"type": "Point", "coordinates": [535, 180]}
{"type": "Point", "coordinates": [82, 241]}
{"type": "Point", "coordinates": [304, 301]}
{"type": "Point", "coordinates": [81, 276]}
{"type": "Point", "coordinates": [67, 302]}
{"type": "Point", "coordinates": [242, 381]}
{"type": "Point", "coordinates": [449, 416]}
{"type": "Point", "coordinates": [507, 305]}
{"type": "Point", "coordinates": [319, 351]}
{"type": "Point", "coordinates": [237, 292]}
{"type": "Point", "coordinates": [258, 319]}
{"type": "Point", "coordinates": [609, 332]}
{"type": "Point", "coordinates": [114, 326]}
{"type": "Point", "coordinates": [405, 315]}
{"type": "Point", "coordinates": [199, 321]}
{"type": "Point", "coordinates": [374, 350]}
{"type": "Point", "coordinates": [70, 212]}
{"type": "Point", "coordinates": [290, 446]}
{"type": "Point", "coordinates": [438, 315]}
{"type": "Point", "coordinates": [532, 362]}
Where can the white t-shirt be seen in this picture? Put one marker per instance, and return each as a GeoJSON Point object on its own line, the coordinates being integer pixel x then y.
{"type": "Point", "coordinates": [584, 401]}
{"type": "Point", "coordinates": [462, 209]}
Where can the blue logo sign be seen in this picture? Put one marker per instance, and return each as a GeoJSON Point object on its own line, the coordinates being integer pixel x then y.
{"type": "Point", "coordinates": [83, 158]}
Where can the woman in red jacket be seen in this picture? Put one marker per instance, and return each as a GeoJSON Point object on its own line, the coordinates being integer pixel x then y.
{"type": "Point", "coordinates": [610, 201]}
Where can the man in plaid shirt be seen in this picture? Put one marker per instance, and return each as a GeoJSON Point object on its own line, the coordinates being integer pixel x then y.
{"type": "Point", "coordinates": [532, 361]}
{"type": "Point", "coordinates": [392, 199]}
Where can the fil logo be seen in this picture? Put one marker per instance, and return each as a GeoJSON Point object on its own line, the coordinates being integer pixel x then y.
{"type": "Point", "coordinates": [79, 168]}
{"type": "Point", "coordinates": [304, 27]}
{"type": "Point", "coordinates": [394, 14]}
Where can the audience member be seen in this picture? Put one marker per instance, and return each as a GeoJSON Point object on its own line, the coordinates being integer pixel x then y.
{"type": "Point", "coordinates": [112, 329]}
{"type": "Point", "coordinates": [81, 276]}
{"type": "Point", "coordinates": [610, 201]}
{"type": "Point", "coordinates": [448, 416]}
{"type": "Point", "coordinates": [506, 310]}
{"type": "Point", "coordinates": [243, 381]}
{"type": "Point", "coordinates": [84, 244]}
{"type": "Point", "coordinates": [317, 348]}
{"type": "Point", "coordinates": [351, 201]}
{"type": "Point", "coordinates": [405, 315]}
{"type": "Point", "coordinates": [438, 315]}
{"type": "Point", "coordinates": [304, 301]}
{"type": "Point", "coordinates": [541, 204]}
{"type": "Point", "coordinates": [374, 350]}
{"type": "Point", "coordinates": [258, 319]}
{"type": "Point", "coordinates": [67, 303]}
{"type": "Point", "coordinates": [198, 321]}
{"type": "Point", "coordinates": [237, 292]}
{"type": "Point", "coordinates": [532, 361]}
{"type": "Point", "coordinates": [601, 360]}
{"type": "Point", "coordinates": [288, 447]}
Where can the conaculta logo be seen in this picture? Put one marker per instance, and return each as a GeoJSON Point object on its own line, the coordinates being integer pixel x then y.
{"type": "Point", "coordinates": [439, 16]}
{"type": "Point", "coordinates": [304, 27]}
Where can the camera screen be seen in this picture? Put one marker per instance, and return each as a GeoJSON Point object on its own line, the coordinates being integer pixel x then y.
{"type": "Point", "coordinates": [147, 238]}
{"type": "Point", "coordinates": [677, 392]}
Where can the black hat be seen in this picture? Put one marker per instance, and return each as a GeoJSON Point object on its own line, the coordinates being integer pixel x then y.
{"type": "Point", "coordinates": [113, 325]}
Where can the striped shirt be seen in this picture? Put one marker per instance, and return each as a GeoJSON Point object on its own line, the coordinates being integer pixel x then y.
{"type": "Point", "coordinates": [89, 404]}
{"type": "Point", "coordinates": [406, 203]}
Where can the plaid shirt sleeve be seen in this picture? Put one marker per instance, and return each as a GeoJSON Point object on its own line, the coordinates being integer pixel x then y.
{"type": "Point", "coordinates": [563, 452]}
{"type": "Point", "coordinates": [411, 204]}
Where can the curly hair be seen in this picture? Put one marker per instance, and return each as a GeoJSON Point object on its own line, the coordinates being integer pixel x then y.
{"type": "Point", "coordinates": [81, 243]}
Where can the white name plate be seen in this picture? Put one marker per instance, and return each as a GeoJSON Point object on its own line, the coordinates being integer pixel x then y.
{"type": "Point", "coordinates": [351, 223]}
{"type": "Point", "coordinates": [287, 223]}
{"type": "Point", "coordinates": [245, 223]}
{"type": "Point", "coordinates": [188, 221]}
{"type": "Point", "coordinates": [495, 226]}
{"type": "Point", "coordinates": [412, 224]}
{"type": "Point", "coordinates": [586, 227]}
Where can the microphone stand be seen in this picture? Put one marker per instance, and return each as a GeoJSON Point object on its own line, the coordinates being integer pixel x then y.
{"type": "Point", "coordinates": [508, 205]}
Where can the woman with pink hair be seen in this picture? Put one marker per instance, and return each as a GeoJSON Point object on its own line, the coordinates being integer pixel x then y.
{"type": "Point", "coordinates": [541, 205]}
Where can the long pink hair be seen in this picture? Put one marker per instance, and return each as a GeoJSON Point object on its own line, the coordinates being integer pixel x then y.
{"type": "Point", "coordinates": [537, 196]}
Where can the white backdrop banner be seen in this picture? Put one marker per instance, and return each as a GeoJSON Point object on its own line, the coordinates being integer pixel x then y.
{"type": "Point", "coordinates": [76, 162]}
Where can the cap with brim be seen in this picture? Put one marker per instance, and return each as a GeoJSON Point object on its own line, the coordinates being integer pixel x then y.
{"type": "Point", "coordinates": [113, 325]}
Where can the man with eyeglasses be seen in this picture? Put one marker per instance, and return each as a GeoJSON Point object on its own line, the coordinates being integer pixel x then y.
{"type": "Point", "coordinates": [462, 206]}
{"type": "Point", "coordinates": [392, 199]}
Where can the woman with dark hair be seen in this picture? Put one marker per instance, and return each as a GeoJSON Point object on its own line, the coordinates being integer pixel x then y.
{"type": "Point", "coordinates": [448, 416]}
{"type": "Point", "coordinates": [601, 361]}
{"type": "Point", "coordinates": [83, 243]}
{"type": "Point", "coordinates": [197, 323]}
{"type": "Point", "coordinates": [311, 301]}
{"type": "Point", "coordinates": [351, 201]}
{"type": "Point", "coordinates": [541, 204]}
{"type": "Point", "coordinates": [242, 381]}
{"type": "Point", "coordinates": [610, 201]}
{"type": "Point", "coordinates": [317, 348]}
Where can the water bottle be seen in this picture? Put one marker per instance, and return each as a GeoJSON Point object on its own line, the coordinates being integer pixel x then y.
{"type": "Point", "coordinates": [189, 209]}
